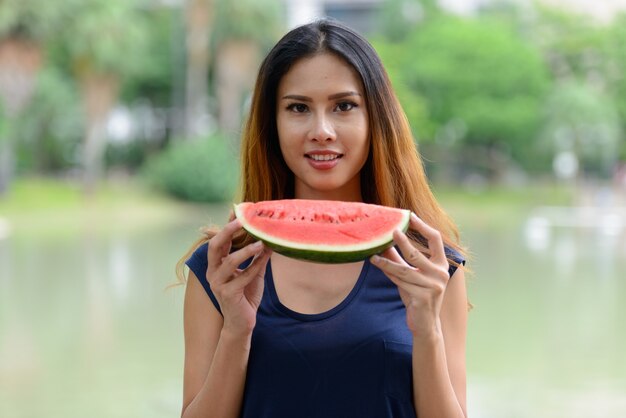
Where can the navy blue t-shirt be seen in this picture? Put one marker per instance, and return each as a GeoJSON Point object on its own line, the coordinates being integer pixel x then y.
{"type": "Point", "coordinates": [351, 361]}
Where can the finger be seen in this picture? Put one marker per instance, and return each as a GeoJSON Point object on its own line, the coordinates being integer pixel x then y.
{"type": "Point", "coordinates": [392, 254]}
{"type": "Point", "coordinates": [231, 263]}
{"type": "Point", "coordinates": [402, 285]}
{"type": "Point", "coordinates": [219, 245]}
{"type": "Point", "coordinates": [400, 270]}
{"type": "Point", "coordinates": [411, 254]}
{"type": "Point", "coordinates": [255, 269]}
{"type": "Point", "coordinates": [433, 237]}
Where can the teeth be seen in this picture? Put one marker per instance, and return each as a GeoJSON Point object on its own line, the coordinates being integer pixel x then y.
{"type": "Point", "coordinates": [326, 157]}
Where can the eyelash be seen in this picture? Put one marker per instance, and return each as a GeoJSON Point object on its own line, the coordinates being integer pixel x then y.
{"type": "Point", "coordinates": [348, 102]}
{"type": "Point", "coordinates": [293, 106]}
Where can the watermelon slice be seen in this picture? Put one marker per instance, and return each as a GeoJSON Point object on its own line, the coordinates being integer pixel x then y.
{"type": "Point", "coordinates": [320, 230]}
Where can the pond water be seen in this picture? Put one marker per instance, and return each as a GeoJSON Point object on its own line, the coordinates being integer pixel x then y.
{"type": "Point", "coordinates": [88, 329]}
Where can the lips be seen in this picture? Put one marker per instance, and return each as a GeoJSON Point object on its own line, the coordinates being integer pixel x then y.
{"type": "Point", "coordinates": [323, 160]}
{"type": "Point", "coordinates": [323, 155]}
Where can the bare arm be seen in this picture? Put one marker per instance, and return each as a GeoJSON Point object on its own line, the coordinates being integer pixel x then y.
{"type": "Point", "coordinates": [439, 382]}
{"type": "Point", "coordinates": [436, 309]}
{"type": "Point", "coordinates": [215, 361]}
{"type": "Point", "coordinates": [217, 348]}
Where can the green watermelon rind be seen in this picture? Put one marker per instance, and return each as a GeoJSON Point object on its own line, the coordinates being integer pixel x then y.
{"type": "Point", "coordinates": [327, 253]}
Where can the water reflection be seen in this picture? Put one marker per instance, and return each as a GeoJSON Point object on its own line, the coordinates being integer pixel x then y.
{"type": "Point", "coordinates": [556, 321]}
{"type": "Point", "coordinates": [567, 234]}
{"type": "Point", "coordinates": [120, 269]}
{"type": "Point", "coordinates": [87, 329]}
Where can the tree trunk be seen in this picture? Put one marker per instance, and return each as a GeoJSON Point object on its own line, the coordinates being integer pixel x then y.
{"type": "Point", "coordinates": [198, 18]}
{"type": "Point", "coordinates": [20, 61]}
{"type": "Point", "coordinates": [99, 94]}
{"type": "Point", "coordinates": [236, 67]}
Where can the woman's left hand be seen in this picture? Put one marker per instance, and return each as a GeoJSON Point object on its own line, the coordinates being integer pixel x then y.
{"type": "Point", "coordinates": [421, 280]}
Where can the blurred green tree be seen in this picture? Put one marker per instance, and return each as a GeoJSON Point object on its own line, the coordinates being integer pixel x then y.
{"type": "Point", "coordinates": [584, 122]}
{"type": "Point", "coordinates": [244, 30]}
{"type": "Point", "coordinates": [587, 59]}
{"type": "Point", "coordinates": [202, 170]}
{"type": "Point", "coordinates": [50, 127]}
{"type": "Point", "coordinates": [413, 101]}
{"type": "Point", "coordinates": [399, 17]}
{"type": "Point", "coordinates": [199, 17]}
{"type": "Point", "coordinates": [483, 86]}
{"type": "Point", "coordinates": [24, 26]}
{"type": "Point", "coordinates": [105, 41]}
{"type": "Point", "coordinates": [616, 72]}
{"type": "Point", "coordinates": [573, 46]}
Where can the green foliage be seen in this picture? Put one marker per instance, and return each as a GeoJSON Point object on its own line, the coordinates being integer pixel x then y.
{"type": "Point", "coordinates": [127, 155]}
{"type": "Point", "coordinates": [153, 79]}
{"type": "Point", "coordinates": [412, 101]}
{"type": "Point", "coordinates": [399, 16]}
{"type": "Point", "coordinates": [585, 122]}
{"type": "Point", "coordinates": [203, 170]}
{"type": "Point", "coordinates": [107, 36]}
{"type": "Point", "coordinates": [478, 73]}
{"type": "Point", "coordinates": [573, 45]}
{"type": "Point", "coordinates": [30, 19]}
{"type": "Point", "coordinates": [3, 122]}
{"type": "Point", "coordinates": [49, 131]}
{"type": "Point", "coordinates": [258, 20]}
{"type": "Point", "coordinates": [616, 63]}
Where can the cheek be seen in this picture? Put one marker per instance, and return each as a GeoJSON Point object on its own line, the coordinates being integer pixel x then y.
{"type": "Point", "coordinates": [290, 138]}
{"type": "Point", "coordinates": [287, 146]}
{"type": "Point", "coordinates": [365, 151]}
{"type": "Point", "coordinates": [364, 140]}
{"type": "Point", "coordinates": [282, 135]}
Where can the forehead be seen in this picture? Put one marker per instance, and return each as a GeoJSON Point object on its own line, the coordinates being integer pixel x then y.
{"type": "Point", "coordinates": [321, 71]}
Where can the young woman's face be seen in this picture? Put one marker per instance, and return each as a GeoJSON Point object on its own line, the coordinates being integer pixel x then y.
{"type": "Point", "coordinates": [323, 127]}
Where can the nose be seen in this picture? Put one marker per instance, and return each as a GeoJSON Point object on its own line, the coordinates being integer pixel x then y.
{"type": "Point", "coordinates": [322, 129]}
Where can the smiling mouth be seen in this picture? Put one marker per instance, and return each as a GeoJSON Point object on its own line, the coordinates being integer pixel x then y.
{"type": "Point", "coordinates": [323, 157]}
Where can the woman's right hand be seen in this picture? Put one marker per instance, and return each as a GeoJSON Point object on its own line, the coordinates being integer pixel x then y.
{"type": "Point", "coordinates": [238, 292]}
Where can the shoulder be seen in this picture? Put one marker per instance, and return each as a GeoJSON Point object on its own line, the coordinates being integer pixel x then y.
{"type": "Point", "coordinates": [197, 261]}
{"type": "Point", "coordinates": [455, 259]}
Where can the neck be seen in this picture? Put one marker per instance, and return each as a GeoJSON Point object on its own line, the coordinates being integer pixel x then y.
{"type": "Point", "coordinates": [352, 194]}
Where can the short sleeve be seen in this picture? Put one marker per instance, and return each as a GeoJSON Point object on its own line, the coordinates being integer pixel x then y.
{"type": "Point", "coordinates": [454, 255]}
{"type": "Point", "coordinates": [198, 264]}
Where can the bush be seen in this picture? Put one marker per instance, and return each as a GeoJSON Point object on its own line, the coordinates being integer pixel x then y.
{"type": "Point", "coordinates": [201, 170]}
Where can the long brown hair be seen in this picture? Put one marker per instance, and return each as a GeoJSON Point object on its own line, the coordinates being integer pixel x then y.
{"type": "Point", "coordinates": [393, 174]}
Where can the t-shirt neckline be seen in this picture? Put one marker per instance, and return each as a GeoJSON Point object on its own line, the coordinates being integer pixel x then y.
{"type": "Point", "coordinates": [318, 316]}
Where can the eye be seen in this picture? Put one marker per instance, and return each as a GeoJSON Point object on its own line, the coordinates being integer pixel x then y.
{"type": "Point", "coordinates": [345, 106]}
{"type": "Point", "coordinates": [297, 107]}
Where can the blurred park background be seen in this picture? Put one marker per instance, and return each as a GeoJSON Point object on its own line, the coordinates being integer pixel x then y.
{"type": "Point", "coordinates": [119, 124]}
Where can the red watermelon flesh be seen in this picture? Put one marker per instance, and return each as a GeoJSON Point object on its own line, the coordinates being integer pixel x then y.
{"type": "Point", "coordinates": [320, 230]}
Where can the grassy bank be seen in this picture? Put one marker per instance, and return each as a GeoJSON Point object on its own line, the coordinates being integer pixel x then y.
{"type": "Point", "coordinates": [38, 205]}
{"type": "Point", "coordinates": [43, 206]}
{"type": "Point", "coordinates": [495, 206]}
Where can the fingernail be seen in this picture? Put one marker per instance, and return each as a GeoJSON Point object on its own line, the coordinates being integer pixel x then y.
{"type": "Point", "coordinates": [375, 259]}
{"type": "Point", "coordinates": [258, 245]}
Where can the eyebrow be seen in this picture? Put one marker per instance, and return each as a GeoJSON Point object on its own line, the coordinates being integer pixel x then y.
{"type": "Point", "coordinates": [331, 97]}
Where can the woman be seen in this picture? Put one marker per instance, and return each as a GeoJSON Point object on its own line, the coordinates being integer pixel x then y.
{"type": "Point", "coordinates": [278, 337]}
